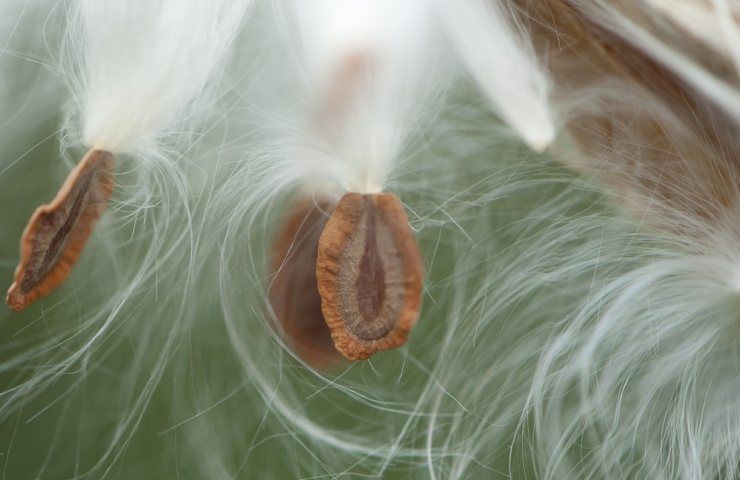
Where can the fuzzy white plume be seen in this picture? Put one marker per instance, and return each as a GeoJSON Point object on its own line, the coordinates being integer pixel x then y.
{"type": "Point", "coordinates": [364, 63]}
{"type": "Point", "coordinates": [503, 62]}
{"type": "Point", "coordinates": [143, 61]}
{"type": "Point", "coordinates": [723, 92]}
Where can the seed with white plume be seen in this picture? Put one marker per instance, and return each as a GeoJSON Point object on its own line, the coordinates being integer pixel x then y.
{"type": "Point", "coordinates": [294, 294]}
{"type": "Point", "coordinates": [140, 64]}
{"type": "Point", "coordinates": [369, 274]}
{"type": "Point", "coordinates": [366, 63]}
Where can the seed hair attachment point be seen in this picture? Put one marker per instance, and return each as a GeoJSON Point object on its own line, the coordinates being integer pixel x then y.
{"type": "Point", "coordinates": [57, 232]}
{"type": "Point", "coordinates": [370, 275]}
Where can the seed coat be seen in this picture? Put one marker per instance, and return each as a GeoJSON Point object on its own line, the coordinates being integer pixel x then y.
{"type": "Point", "coordinates": [57, 232]}
{"type": "Point", "coordinates": [370, 275]}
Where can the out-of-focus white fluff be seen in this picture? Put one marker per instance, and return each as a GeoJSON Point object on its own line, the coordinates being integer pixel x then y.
{"type": "Point", "coordinates": [142, 61]}
{"type": "Point", "coordinates": [641, 379]}
{"type": "Point", "coordinates": [714, 22]}
{"type": "Point", "coordinates": [724, 94]}
{"type": "Point", "coordinates": [500, 56]}
{"type": "Point", "coordinates": [367, 70]}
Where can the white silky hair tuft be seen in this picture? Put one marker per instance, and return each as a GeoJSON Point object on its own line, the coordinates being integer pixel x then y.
{"type": "Point", "coordinates": [641, 380]}
{"type": "Point", "coordinates": [367, 67]}
{"type": "Point", "coordinates": [500, 57]}
{"type": "Point", "coordinates": [722, 91]}
{"type": "Point", "coordinates": [142, 63]}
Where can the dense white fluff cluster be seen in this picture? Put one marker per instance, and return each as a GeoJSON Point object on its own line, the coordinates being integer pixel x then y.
{"type": "Point", "coordinates": [368, 68]}
{"type": "Point", "coordinates": [725, 94]}
{"type": "Point", "coordinates": [639, 381]}
{"type": "Point", "coordinates": [578, 322]}
{"type": "Point", "coordinates": [142, 63]}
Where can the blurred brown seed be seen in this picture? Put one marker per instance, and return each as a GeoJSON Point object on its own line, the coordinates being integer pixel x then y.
{"type": "Point", "coordinates": [370, 275]}
{"type": "Point", "coordinates": [57, 231]}
{"type": "Point", "coordinates": [293, 293]}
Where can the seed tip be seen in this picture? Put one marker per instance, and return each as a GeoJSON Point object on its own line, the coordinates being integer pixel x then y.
{"type": "Point", "coordinates": [15, 299]}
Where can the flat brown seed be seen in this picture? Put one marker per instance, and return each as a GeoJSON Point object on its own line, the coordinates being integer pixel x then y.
{"type": "Point", "coordinates": [370, 275]}
{"type": "Point", "coordinates": [294, 294]}
{"type": "Point", "coordinates": [57, 231]}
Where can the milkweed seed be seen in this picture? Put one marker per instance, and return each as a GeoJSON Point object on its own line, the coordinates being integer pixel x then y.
{"type": "Point", "coordinates": [370, 275]}
{"type": "Point", "coordinates": [57, 232]}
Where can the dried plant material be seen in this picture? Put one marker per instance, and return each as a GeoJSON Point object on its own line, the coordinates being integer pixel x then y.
{"type": "Point", "coordinates": [57, 232]}
{"type": "Point", "coordinates": [667, 150]}
{"type": "Point", "coordinates": [370, 275]}
{"type": "Point", "coordinates": [294, 294]}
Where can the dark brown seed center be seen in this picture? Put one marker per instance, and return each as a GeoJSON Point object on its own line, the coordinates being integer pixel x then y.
{"type": "Point", "coordinates": [370, 278]}
{"type": "Point", "coordinates": [370, 285]}
{"type": "Point", "coordinates": [60, 233]}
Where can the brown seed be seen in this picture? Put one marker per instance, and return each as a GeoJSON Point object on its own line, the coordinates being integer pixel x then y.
{"type": "Point", "coordinates": [370, 275]}
{"type": "Point", "coordinates": [294, 294]}
{"type": "Point", "coordinates": [57, 231]}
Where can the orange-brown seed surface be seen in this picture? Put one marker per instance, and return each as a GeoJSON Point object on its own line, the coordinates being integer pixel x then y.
{"type": "Point", "coordinates": [57, 232]}
{"type": "Point", "coordinates": [370, 275]}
